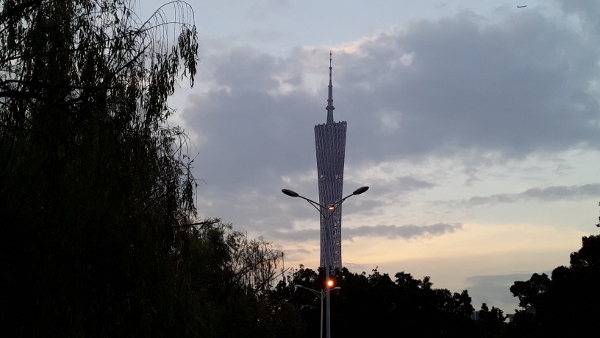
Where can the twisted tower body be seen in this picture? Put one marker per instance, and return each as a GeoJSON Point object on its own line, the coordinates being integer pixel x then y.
{"type": "Point", "coordinates": [330, 143]}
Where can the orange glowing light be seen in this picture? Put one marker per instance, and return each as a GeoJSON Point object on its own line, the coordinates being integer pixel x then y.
{"type": "Point", "coordinates": [329, 283]}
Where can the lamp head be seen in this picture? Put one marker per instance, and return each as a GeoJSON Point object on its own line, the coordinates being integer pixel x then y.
{"type": "Point", "coordinates": [290, 192]}
{"type": "Point", "coordinates": [360, 190]}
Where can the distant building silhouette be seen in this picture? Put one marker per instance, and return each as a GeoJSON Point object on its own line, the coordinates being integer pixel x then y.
{"type": "Point", "coordinates": [330, 143]}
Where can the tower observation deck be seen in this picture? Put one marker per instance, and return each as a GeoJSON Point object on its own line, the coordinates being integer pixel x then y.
{"type": "Point", "coordinates": [330, 144]}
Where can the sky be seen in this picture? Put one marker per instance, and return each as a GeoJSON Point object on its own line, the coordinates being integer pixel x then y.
{"type": "Point", "coordinates": [474, 123]}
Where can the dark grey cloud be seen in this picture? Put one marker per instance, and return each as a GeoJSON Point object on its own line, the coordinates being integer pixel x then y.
{"type": "Point", "coordinates": [586, 11]}
{"type": "Point", "coordinates": [403, 231]}
{"type": "Point", "coordinates": [513, 87]}
{"type": "Point", "coordinates": [250, 136]}
{"type": "Point", "coordinates": [384, 193]}
{"type": "Point", "coordinates": [406, 183]}
{"type": "Point", "coordinates": [387, 231]}
{"type": "Point", "coordinates": [297, 235]}
{"type": "Point", "coordinates": [547, 194]}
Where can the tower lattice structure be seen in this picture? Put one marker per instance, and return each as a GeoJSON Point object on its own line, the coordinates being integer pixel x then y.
{"type": "Point", "coordinates": [330, 143]}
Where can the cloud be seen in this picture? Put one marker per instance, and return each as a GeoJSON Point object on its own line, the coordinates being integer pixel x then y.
{"type": "Point", "coordinates": [552, 193]}
{"type": "Point", "coordinates": [512, 88]}
{"type": "Point", "coordinates": [387, 231]}
{"type": "Point", "coordinates": [586, 13]}
{"type": "Point", "coordinates": [297, 235]}
{"type": "Point", "coordinates": [404, 231]}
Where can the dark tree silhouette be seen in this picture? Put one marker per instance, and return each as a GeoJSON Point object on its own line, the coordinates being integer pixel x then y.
{"type": "Point", "coordinates": [94, 185]}
{"type": "Point", "coordinates": [565, 305]}
{"type": "Point", "coordinates": [375, 305]}
{"type": "Point", "coordinates": [491, 322]}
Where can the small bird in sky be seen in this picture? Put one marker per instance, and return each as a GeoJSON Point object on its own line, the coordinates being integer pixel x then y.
{"type": "Point", "coordinates": [521, 6]}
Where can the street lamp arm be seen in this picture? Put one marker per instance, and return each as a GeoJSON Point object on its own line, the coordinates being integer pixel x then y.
{"type": "Point", "coordinates": [317, 293]}
{"type": "Point", "coordinates": [336, 204]}
{"type": "Point", "coordinates": [319, 207]}
{"type": "Point", "coordinates": [315, 205]}
{"type": "Point", "coordinates": [355, 192]}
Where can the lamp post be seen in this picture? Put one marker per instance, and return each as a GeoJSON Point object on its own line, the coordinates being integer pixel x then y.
{"type": "Point", "coordinates": [321, 294]}
{"type": "Point", "coordinates": [326, 212]}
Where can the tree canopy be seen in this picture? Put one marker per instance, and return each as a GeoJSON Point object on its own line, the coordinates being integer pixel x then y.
{"type": "Point", "coordinates": [565, 303]}
{"type": "Point", "coordinates": [377, 305]}
{"type": "Point", "coordinates": [94, 186]}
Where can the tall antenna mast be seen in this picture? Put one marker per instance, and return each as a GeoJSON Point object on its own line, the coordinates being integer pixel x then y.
{"type": "Point", "coordinates": [330, 106]}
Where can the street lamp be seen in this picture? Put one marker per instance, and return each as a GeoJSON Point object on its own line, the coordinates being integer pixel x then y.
{"type": "Point", "coordinates": [320, 208]}
{"type": "Point", "coordinates": [326, 212]}
{"type": "Point", "coordinates": [321, 294]}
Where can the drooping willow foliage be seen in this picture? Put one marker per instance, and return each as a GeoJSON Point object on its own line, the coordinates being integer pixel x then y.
{"type": "Point", "coordinates": [83, 106]}
{"type": "Point", "coordinates": [99, 231]}
{"type": "Point", "coordinates": [94, 185]}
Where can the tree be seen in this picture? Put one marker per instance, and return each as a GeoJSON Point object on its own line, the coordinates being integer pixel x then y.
{"type": "Point", "coordinates": [376, 305]}
{"type": "Point", "coordinates": [232, 277]}
{"type": "Point", "coordinates": [491, 321]}
{"type": "Point", "coordinates": [95, 187]}
{"type": "Point", "coordinates": [566, 303]}
{"type": "Point", "coordinates": [531, 292]}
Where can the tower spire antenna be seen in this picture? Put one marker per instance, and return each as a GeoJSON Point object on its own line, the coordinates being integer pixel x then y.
{"type": "Point", "coordinates": [330, 106]}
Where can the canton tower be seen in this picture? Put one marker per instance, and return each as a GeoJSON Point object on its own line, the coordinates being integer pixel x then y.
{"type": "Point", "coordinates": [330, 144]}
